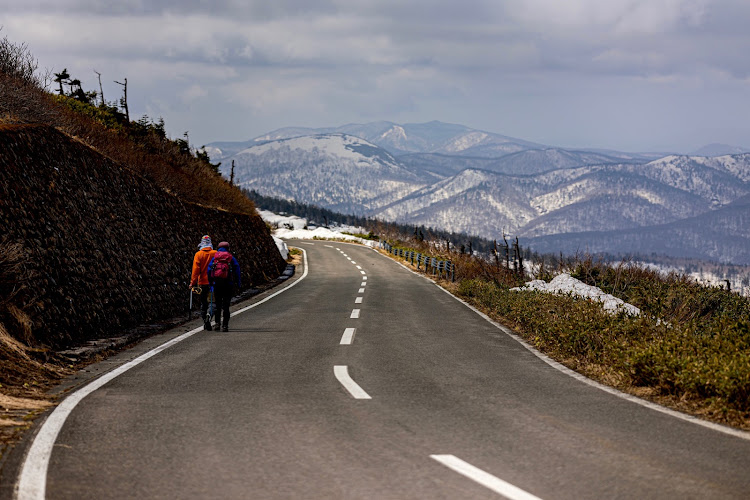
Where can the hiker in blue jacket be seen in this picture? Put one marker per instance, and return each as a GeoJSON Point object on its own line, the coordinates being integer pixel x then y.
{"type": "Point", "coordinates": [224, 275]}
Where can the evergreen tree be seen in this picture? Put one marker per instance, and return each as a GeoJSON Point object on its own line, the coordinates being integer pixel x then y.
{"type": "Point", "coordinates": [202, 155]}
{"type": "Point", "coordinates": [62, 77]}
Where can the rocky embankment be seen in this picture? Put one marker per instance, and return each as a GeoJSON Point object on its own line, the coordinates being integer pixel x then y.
{"type": "Point", "coordinates": [90, 249]}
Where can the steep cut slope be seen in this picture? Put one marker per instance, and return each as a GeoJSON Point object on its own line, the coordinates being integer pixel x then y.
{"type": "Point", "coordinates": [104, 249]}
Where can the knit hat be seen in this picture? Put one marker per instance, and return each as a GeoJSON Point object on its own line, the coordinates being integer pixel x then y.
{"type": "Point", "coordinates": [224, 244]}
{"type": "Point", "coordinates": [205, 242]}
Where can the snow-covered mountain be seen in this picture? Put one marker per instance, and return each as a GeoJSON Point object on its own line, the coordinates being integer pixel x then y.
{"type": "Point", "coordinates": [549, 196]}
{"type": "Point", "coordinates": [432, 137]}
{"type": "Point", "coordinates": [721, 235]}
{"type": "Point", "coordinates": [340, 172]}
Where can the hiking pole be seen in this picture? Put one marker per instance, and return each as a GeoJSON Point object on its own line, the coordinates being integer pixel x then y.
{"type": "Point", "coordinates": [190, 308]}
{"type": "Point", "coordinates": [193, 289]}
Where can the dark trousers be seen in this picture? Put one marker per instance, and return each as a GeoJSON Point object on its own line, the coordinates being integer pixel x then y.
{"type": "Point", "coordinates": [205, 299]}
{"type": "Point", "coordinates": [223, 293]}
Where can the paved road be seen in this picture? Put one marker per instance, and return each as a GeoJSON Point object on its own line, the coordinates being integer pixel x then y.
{"type": "Point", "coordinates": [424, 387]}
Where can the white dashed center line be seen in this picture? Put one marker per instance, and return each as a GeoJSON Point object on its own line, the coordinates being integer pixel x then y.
{"type": "Point", "coordinates": [361, 290]}
{"type": "Point", "coordinates": [358, 300]}
{"type": "Point", "coordinates": [355, 314]}
{"type": "Point", "coordinates": [485, 479]}
{"type": "Point", "coordinates": [348, 336]}
{"type": "Point", "coordinates": [342, 374]}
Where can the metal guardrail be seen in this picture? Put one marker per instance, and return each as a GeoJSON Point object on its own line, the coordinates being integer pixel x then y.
{"type": "Point", "coordinates": [439, 268]}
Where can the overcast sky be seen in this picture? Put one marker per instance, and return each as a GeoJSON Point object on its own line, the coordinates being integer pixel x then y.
{"type": "Point", "coordinates": [632, 75]}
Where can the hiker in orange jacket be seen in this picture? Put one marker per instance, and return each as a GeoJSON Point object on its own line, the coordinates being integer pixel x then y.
{"type": "Point", "coordinates": [200, 277]}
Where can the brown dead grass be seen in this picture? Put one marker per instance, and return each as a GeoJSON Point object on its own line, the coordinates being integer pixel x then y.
{"type": "Point", "coordinates": [14, 403]}
{"type": "Point", "coordinates": [294, 259]}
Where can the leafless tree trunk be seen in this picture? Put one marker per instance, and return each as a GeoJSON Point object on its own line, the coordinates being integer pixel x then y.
{"type": "Point", "coordinates": [124, 100]}
{"type": "Point", "coordinates": [101, 89]}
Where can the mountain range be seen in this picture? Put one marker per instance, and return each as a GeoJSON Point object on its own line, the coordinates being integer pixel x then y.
{"type": "Point", "coordinates": [460, 179]}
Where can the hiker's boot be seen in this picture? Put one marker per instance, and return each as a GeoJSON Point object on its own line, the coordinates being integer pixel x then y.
{"type": "Point", "coordinates": [207, 324]}
{"type": "Point", "coordinates": [225, 328]}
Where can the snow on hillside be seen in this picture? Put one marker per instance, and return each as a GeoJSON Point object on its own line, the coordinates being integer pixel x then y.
{"type": "Point", "coordinates": [465, 142]}
{"type": "Point", "coordinates": [395, 134]}
{"type": "Point", "coordinates": [340, 146]}
{"type": "Point", "coordinates": [737, 165]}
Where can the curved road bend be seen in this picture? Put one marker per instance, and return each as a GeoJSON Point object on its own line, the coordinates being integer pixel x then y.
{"type": "Point", "coordinates": [367, 381]}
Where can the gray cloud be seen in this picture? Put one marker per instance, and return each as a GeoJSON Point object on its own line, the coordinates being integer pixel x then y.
{"type": "Point", "coordinates": [232, 69]}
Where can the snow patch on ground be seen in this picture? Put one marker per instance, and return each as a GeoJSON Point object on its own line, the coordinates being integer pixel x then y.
{"type": "Point", "coordinates": [288, 221]}
{"type": "Point", "coordinates": [281, 245]}
{"type": "Point", "coordinates": [291, 227]}
{"type": "Point", "coordinates": [564, 284]}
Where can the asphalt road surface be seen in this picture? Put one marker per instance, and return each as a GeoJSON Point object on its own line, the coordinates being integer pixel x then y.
{"type": "Point", "coordinates": [364, 380]}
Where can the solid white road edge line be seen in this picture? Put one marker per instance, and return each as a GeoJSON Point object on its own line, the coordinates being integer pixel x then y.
{"type": "Point", "coordinates": [564, 369]}
{"type": "Point", "coordinates": [32, 483]}
{"type": "Point", "coordinates": [355, 314]}
{"type": "Point", "coordinates": [485, 479]}
{"type": "Point", "coordinates": [348, 336]}
{"type": "Point", "coordinates": [342, 374]}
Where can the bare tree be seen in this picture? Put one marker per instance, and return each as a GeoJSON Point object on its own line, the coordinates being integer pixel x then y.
{"type": "Point", "coordinates": [101, 90]}
{"type": "Point", "coordinates": [16, 60]}
{"type": "Point", "coordinates": [124, 100]}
